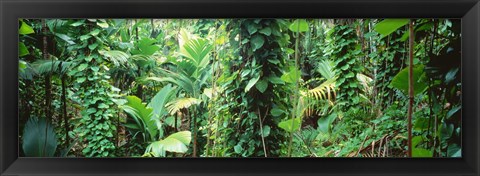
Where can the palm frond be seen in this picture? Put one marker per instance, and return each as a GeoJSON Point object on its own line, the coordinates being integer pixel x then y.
{"type": "Point", "coordinates": [181, 103]}
{"type": "Point", "coordinates": [325, 91]}
{"type": "Point", "coordinates": [310, 98]}
{"type": "Point", "coordinates": [118, 58]}
{"type": "Point", "coordinates": [142, 115]}
{"type": "Point", "coordinates": [197, 51]}
{"type": "Point", "coordinates": [42, 67]}
{"type": "Point", "coordinates": [326, 68]}
{"type": "Point", "coordinates": [180, 80]}
{"type": "Point", "coordinates": [26, 71]}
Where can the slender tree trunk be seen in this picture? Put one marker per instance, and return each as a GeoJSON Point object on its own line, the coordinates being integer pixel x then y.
{"type": "Point", "coordinates": [139, 92]}
{"type": "Point", "coordinates": [410, 88]}
{"type": "Point", "coordinates": [64, 108]}
{"type": "Point", "coordinates": [48, 86]}
{"type": "Point", "coordinates": [194, 119]}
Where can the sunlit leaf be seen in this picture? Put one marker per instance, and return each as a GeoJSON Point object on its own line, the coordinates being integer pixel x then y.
{"type": "Point", "coordinates": [299, 25]}
{"type": "Point", "coordinates": [25, 29]}
{"type": "Point", "coordinates": [176, 142]}
{"type": "Point", "coordinates": [388, 26]}
{"type": "Point", "coordinates": [181, 103]}
{"type": "Point", "coordinates": [292, 76]}
{"type": "Point", "coordinates": [290, 126]}
{"type": "Point", "coordinates": [420, 152]}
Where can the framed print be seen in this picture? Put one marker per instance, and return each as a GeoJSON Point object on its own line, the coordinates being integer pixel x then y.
{"type": "Point", "coordinates": [239, 87]}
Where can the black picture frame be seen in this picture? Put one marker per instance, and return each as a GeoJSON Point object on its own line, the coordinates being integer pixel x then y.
{"type": "Point", "coordinates": [12, 10]}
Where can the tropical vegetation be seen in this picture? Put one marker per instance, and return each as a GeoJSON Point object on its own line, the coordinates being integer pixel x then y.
{"type": "Point", "coordinates": [239, 88]}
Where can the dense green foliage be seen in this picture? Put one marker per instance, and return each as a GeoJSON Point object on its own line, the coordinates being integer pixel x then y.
{"type": "Point", "coordinates": [239, 87]}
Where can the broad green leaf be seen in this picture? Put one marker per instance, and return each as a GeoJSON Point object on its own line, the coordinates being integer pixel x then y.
{"type": "Point", "coordinates": [275, 80]}
{"type": "Point", "coordinates": [324, 123]}
{"type": "Point", "coordinates": [85, 37]}
{"type": "Point", "coordinates": [25, 29]}
{"type": "Point", "coordinates": [238, 149]}
{"type": "Point", "coordinates": [421, 123]}
{"type": "Point", "coordinates": [266, 131]}
{"type": "Point", "coordinates": [142, 115]}
{"type": "Point", "coordinates": [420, 152]}
{"type": "Point", "coordinates": [65, 38]}
{"type": "Point", "coordinates": [95, 32]}
{"type": "Point", "coordinates": [251, 83]}
{"type": "Point", "coordinates": [22, 49]}
{"type": "Point", "coordinates": [400, 81]}
{"type": "Point", "coordinates": [262, 85]}
{"type": "Point", "coordinates": [453, 111]}
{"type": "Point", "coordinates": [388, 26]}
{"type": "Point", "coordinates": [78, 23]}
{"type": "Point", "coordinates": [92, 46]}
{"type": "Point", "coordinates": [159, 101]}
{"type": "Point", "coordinates": [287, 125]}
{"type": "Point", "coordinates": [82, 67]}
{"type": "Point", "coordinates": [292, 76]}
{"type": "Point", "coordinates": [299, 25]}
{"type": "Point", "coordinates": [257, 41]}
{"type": "Point", "coordinates": [102, 24]}
{"type": "Point", "coordinates": [267, 31]}
{"type": "Point", "coordinates": [446, 130]}
{"type": "Point", "coordinates": [416, 140]}
{"type": "Point", "coordinates": [277, 112]}
{"type": "Point", "coordinates": [177, 142]}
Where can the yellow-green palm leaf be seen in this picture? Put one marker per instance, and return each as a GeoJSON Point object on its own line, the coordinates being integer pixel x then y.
{"type": "Point", "coordinates": [181, 103]}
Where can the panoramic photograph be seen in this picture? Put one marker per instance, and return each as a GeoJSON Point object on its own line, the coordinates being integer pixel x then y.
{"type": "Point", "coordinates": [239, 88]}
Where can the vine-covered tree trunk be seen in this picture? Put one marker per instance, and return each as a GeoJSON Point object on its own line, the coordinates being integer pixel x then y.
{"type": "Point", "coordinates": [261, 63]}
{"type": "Point", "coordinates": [93, 88]}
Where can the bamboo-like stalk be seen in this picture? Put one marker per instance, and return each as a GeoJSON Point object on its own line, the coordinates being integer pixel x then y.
{"type": "Point", "coordinates": [410, 88]}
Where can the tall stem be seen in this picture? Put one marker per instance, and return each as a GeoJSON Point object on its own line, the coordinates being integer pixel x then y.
{"type": "Point", "coordinates": [295, 99]}
{"type": "Point", "coordinates": [410, 89]}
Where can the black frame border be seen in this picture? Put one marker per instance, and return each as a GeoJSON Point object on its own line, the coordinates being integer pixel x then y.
{"type": "Point", "coordinates": [12, 10]}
